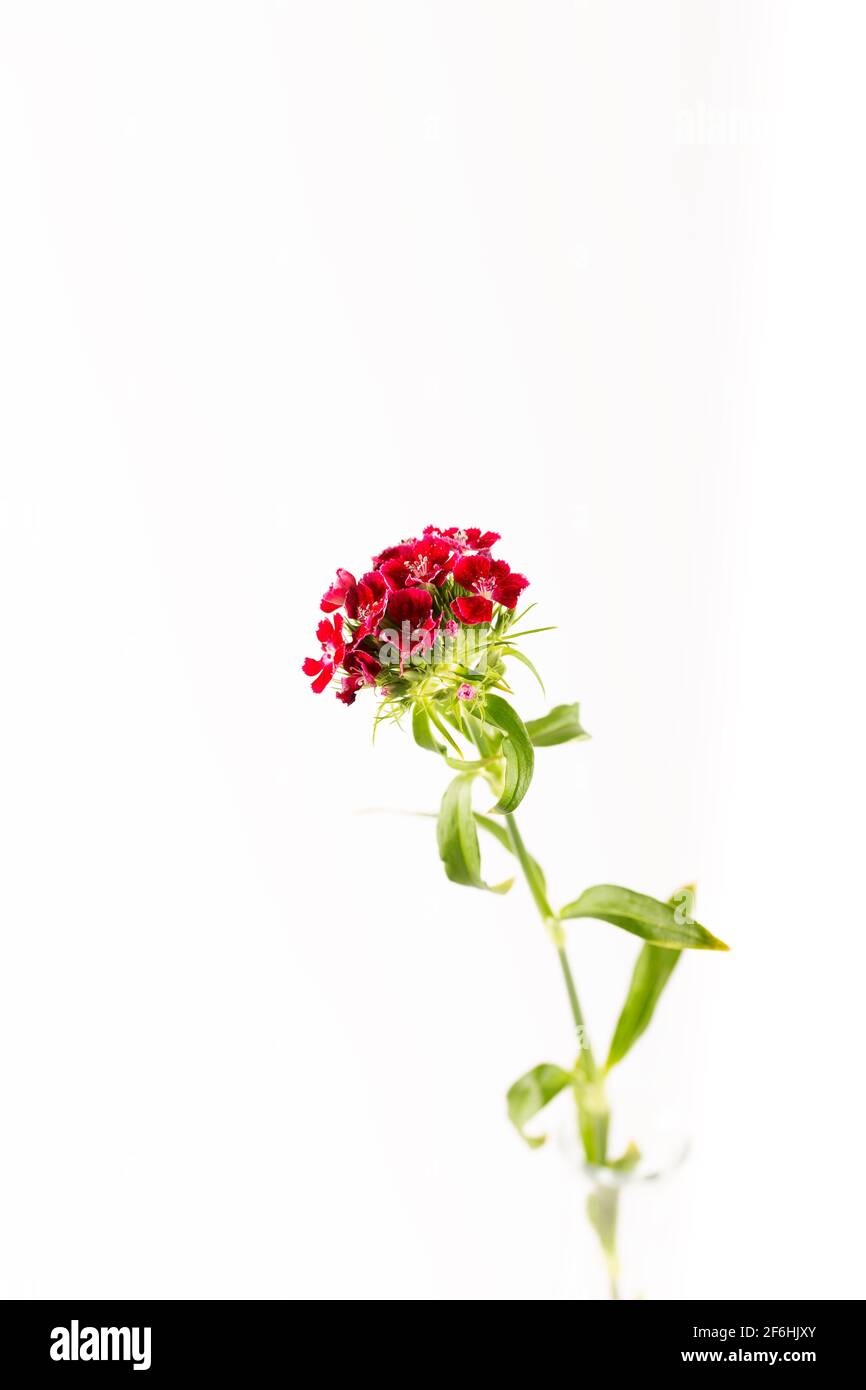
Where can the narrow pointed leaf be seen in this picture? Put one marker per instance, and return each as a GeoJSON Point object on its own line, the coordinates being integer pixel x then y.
{"type": "Point", "coordinates": [660, 923]}
{"type": "Point", "coordinates": [422, 732]}
{"type": "Point", "coordinates": [500, 833]}
{"type": "Point", "coordinates": [627, 1161]}
{"type": "Point", "coordinates": [458, 837]}
{"type": "Point", "coordinates": [530, 665]}
{"type": "Point", "coordinates": [484, 737]}
{"type": "Point", "coordinates": [493, 828]}
{"type": "Point", "coordinates": [438, 723]}
{"type": "Point", "coordinates": [531, 1093]}
{"type": "Point", "coordinates": [517, 750]}
{"type": "Point", "coordinates": [653, 969]}
{"type": "Point", "coordinates": [602, 1208]}
{"type": "Point", "coordinates": [559, 726]}
{"type": "Point", "coordinates": [527, 632]}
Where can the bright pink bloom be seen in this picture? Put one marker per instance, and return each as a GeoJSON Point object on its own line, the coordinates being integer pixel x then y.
{"type": "Point", "coordinates": [489, 581]}
{"type": "Point", "coordinates": [335, 597]}
{"type": "Point", "coordinates": [466, 691]}
{"type": "Point", "coordinates": [330, 634]}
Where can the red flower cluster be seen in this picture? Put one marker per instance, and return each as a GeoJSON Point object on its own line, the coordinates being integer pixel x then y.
{"type": "Point", "coordinates": [427, 583]}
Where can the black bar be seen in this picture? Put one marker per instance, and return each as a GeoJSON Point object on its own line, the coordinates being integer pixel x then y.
{"type": "Point", "coordinates": [249, 1338]}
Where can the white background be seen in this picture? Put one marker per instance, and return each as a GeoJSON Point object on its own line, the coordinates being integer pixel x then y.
{"type": "Point", "coordinates": [280, 284]}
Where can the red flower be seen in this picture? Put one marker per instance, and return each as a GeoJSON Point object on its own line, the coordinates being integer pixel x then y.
{"type": "Point", "coordinates": [411, 612]}
{"type": "Point", "coordinates": [335, 597]}
{"type": "Point", "coordinates": [361, 668]}
{"type": "Point", "coordinates": [412, 606]}
{"type": "Point", "coordinates": [471, 539]}
{"type": "Point", "coordinates": [330, 634]}
{"type": "Point", "coordinates": [426, 562]}
{"type": "Point", "coordinates": [489, 581]}
{"type": "Point", "coordinates": [405, 590]}
{"type": "Point", "coordinates": [365, 602]}
{"type": "Point", "coordinates": [392, 552]}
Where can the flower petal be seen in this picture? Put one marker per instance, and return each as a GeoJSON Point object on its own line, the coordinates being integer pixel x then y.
{"type": "Point", "coordinates": [470, 568]}
{"type": "Point", "coordinates": [473, 610]}
{"type": "Point", "coordinates": [362, 665]}
{"type": "Point", "coordinates": [334, 597]}
{"type": "Point", "coordinates": [392, 552]}
{"type": "Point", "coordinates": [325, 631]}
{"type": "Point", "coordinates": [411, 606]}
{"type": "Point", "coordinates": [395, 573]}
{"type": "Point", "coordinates": [324, 679]}
{"type": "Point", "coordinates": [375, 583]}
{"type": "Point", "coordinates": [481, 540]}
{"type": "Point", "coordinates": [508, 588]}
{"type": "Point", "coordinates": [367, 596]}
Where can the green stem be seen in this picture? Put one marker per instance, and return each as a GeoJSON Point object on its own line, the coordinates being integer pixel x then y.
{"type": "Point", "coordinates": [593, 1112]}
{"type": "Point", "coordinates": [535, 882]}
{"type": "Point", "coordinates": [577, 1012]}
{"type": "Point", "coordinates": [530, 869]}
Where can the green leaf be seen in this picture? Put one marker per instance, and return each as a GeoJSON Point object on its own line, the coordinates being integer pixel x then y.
{"type": "Point", "coordinates": [422, 732]}
{"type": "Point", "coordinates": [654, 967]}
{"type": "Point", "coordinates": [500, 833]}
{"type": "Point", "coordinates": [559, 726]}
{"type": "Point", "coordinates": [517, 750]}
{"type": "Point", "coordinates": [485, 738]}
{"type": "Point", "coordinates": [662, 924]}
{"type": "Point", "coordinates": [493, 828]}
{"type": "Point", "coordinates": [458, 838]}
{"type": "Point", "coordinates": [443, 731]}
{"type": "Point", "coordinates": [531, 1093]}
{"type": "Point", "coordinates": [521, 656]}
{"type": "Point", "coordinates": [602, 1208]}
{"type": "Point", "coordinates": [527, 632]}
{"type": "Point", "coordinates": [627, 1161]}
